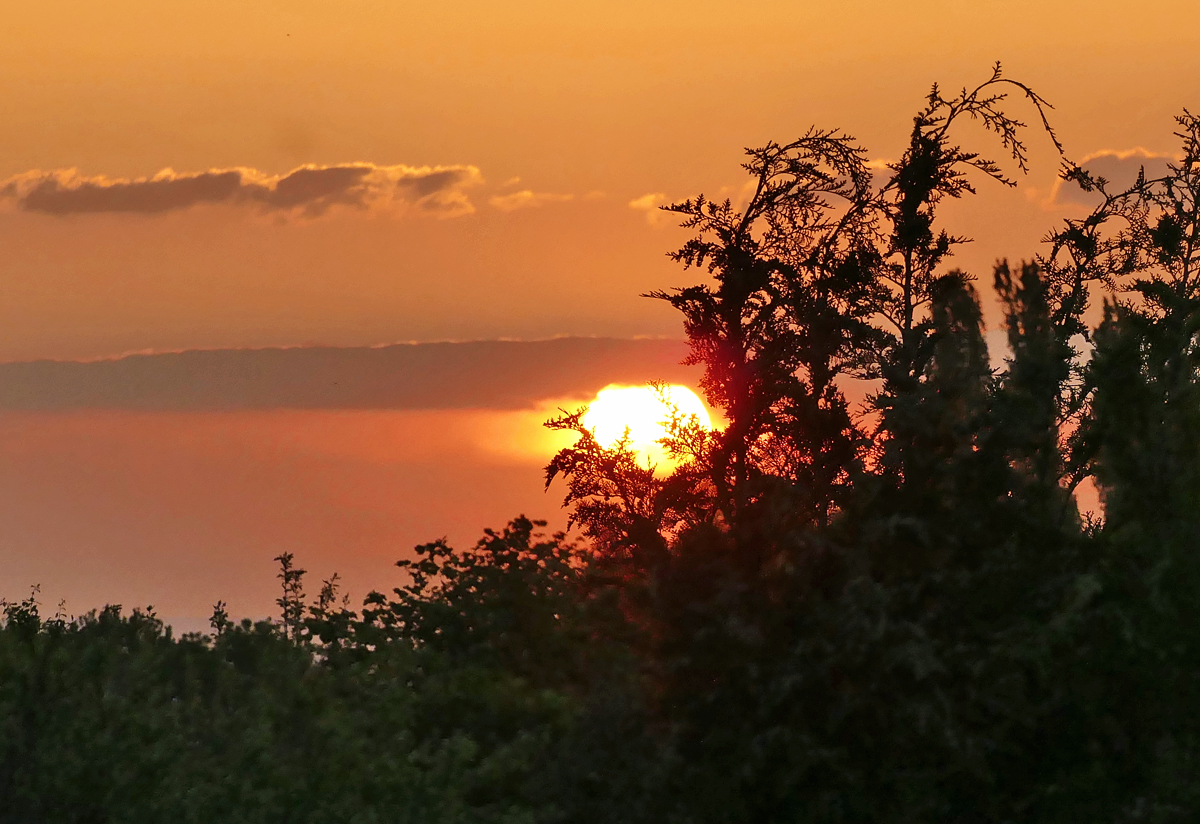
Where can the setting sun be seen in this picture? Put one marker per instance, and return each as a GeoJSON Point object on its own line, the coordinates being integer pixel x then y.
{"type": "Point", "coordinates": [644, 412]}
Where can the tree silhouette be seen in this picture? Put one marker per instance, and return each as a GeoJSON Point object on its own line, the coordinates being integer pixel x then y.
{"type": "Point", "coordinates": [820, 277]}
{"type": "Point", "coordinates": [821, 613]}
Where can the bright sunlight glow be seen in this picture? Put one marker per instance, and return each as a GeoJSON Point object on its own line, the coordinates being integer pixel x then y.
{"type": "Point", "coordinates": [645, 414]}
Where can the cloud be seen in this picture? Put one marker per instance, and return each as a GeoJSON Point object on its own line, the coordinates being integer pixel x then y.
{"type": "Point", "coordinates": [880, 171]}
{"type": "Point", "coordinates": [308, 190]}
{"type": "Point", "coordinates": [1119, 168]}
{"type": "Point", "coordinates": [525, 199]}
{"type": "Point", "coordinates": [650, 204]}
{"type": "Point", "coordinates": [471, 375]}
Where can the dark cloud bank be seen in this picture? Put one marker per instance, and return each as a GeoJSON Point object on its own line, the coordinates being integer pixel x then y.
{"type": "Point", "coordinates": [484, 374]}
{"type": "Point", "coordinates": [311, 190]}
{"type": "Point", "coordinates": [1120, 169]}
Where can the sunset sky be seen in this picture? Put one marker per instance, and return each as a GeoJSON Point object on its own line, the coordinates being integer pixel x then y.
{"type": "Point", "coordinates": [239, 175]}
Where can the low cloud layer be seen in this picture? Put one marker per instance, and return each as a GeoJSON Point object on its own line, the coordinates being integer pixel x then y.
{"type": "Point", "coordinates": [478, 375]}
{"type": "Point", "coordinates": [1120, 169]}
{"type": "Point", "coordinates": [309, 190]}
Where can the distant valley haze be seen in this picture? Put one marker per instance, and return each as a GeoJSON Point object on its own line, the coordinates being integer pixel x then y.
{"type": "Point", "coordinates": [468, 375]}
{"type": "Point", "coordinates": [172, 479]}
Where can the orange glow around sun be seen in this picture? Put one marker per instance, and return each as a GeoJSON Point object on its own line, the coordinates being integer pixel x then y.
{"type": "Point", "coordinates": [644, 413]}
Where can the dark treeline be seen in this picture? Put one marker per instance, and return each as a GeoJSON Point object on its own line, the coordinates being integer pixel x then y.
{"type": "Point", "coordinates": [825, 613]}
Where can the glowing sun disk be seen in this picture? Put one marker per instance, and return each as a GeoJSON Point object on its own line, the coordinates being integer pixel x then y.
{"type": "Point", "coordinates": [644, 413]}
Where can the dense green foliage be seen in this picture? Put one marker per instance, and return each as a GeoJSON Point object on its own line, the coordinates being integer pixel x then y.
{"type": "Point", "coordinates": [826, 612]}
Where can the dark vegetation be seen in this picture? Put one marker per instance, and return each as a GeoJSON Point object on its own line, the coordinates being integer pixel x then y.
{"type": "Point", "coordinates": [827, 613]}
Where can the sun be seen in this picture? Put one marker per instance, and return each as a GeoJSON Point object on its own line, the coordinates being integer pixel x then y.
{"type": "Point", "coordinates": [644, 412]}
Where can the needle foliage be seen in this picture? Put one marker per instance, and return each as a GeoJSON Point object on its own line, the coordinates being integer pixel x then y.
{"type": "Point", "coordinates": [889, 610]}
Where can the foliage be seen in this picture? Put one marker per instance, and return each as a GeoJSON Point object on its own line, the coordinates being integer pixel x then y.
{"type": "Point", "coordinates": [824, 613]}
{"type": "Point", "coordinates": [916, 575]}
{"type": "Point", "coordinates": [325, 715]}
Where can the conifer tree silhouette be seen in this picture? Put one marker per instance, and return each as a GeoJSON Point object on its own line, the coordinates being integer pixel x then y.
{"type": "Point", "coordinates": [820, 276]}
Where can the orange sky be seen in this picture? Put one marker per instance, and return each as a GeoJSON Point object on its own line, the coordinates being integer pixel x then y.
{"type": "Point", "coordinates": [614, 100]}
{"type": "Point", "coordinates": [178, 510]}
{"type": "Point", "coordinates": [544, 120]}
